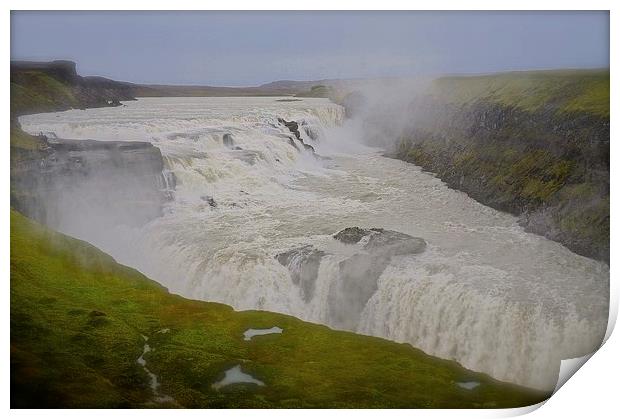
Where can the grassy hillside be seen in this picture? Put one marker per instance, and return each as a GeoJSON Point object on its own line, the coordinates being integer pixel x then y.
{"type": "Point", "coordinates": [78, 322]}
{"type": "Point", "coordinates": [564, 91]}
{"type": "Point", "coordinates": [535, 144]}
{"type": "Point", "coordinates": [56, 86]}
{"type": "Point", "coordinates": [35, 91]}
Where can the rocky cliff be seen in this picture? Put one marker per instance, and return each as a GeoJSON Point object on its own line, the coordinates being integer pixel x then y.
{"type": "Point", "coordinates": [533, 144]}
{"type": "Point", "coordinates": [53, 179]}
{"type": "Point", "coordinates": [56, 86]}
{"type": "Point", "coordinates": [113, 182]}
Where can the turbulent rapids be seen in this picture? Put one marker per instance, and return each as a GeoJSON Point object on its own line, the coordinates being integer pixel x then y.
{"type": "Point", "coordinates": [260, 193]}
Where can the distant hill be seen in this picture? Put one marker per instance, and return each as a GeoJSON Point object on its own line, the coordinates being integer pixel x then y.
{"type": "Point", "coordinates": [276, 88]}
{"type": "Point", "coordinates": [56, 85]}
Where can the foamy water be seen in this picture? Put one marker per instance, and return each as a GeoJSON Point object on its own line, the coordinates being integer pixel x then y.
{"type": "Point", "coordinates": [484, 292]}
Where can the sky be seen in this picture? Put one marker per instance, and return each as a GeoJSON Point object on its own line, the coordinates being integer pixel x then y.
{"type": "Point", "coordinates": [250, 48]}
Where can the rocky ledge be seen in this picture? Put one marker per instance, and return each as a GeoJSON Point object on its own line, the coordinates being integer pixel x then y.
{"type": "Point", "coordinates": [118, 182]}
{"type": "Point", "coordinates": [293, 127]}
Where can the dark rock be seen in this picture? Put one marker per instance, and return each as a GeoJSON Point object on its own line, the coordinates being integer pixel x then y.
{"type": "Point", "coordinates": [209, 200]}
{"type": "Point", "coordinates": [228, 141]}
{"type": "Point", "coordinates": [351, 235]}
{"type": "Point", "coordinates": [303, 264]}
{"type": "Point", "coordinates": [393, 243]}
{"type": "Point", "coordinates": [390, 242]}
{"type": "Point", "coordinates": [294, 128]}
{"type": "Point", "coordinates": [548, 167]}
{"type": "Point", "coordinates": [91, 182]}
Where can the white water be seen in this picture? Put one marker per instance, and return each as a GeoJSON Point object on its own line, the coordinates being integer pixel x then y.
{"type": "Point", "coordinates": [468, 385]}
{"type": "Point", "coordinates": [235, 376]}
{"type": "Point", "coordinates": [250, 333]}
{"type": "Point", "coordinates": [485, 293]}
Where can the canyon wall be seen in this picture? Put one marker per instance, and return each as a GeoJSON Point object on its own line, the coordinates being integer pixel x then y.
{"type": "Point", "coordinates": [535, 144]}
{"type": "Point", "coordinates": [115, 182]}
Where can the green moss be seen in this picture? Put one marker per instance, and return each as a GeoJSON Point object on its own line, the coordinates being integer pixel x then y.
{"type": "Point", "coordinates": [593, 98]}
{"type": "Point", "coordinates": [535, 189]}
{"type": "Point", "coordinates": [560, 170]}
{"type": "Point", "coordinates": [78, 317]}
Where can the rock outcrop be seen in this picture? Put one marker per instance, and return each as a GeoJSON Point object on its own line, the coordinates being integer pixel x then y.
{"type": "Point", "coordinates": [293, 127]}
{"type": "Point", "coordinates": [113, 182]}
{"type": "Point", "coordinates": [228, 141]}
{"type": "Point", "coordinates": [534, 144]}
{"type": "Point", "coordinates": [351, 235]}
{"type": "Point", "coordinates": [96, 183]}
{"type": "Point", "coordinates": [551, 171]}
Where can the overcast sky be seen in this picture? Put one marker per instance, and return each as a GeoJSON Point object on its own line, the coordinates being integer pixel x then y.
{"type": "Point", "coordinates": [249, 48]}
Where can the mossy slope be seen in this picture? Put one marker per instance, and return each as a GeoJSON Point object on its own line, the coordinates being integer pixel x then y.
{"type": "Point", "coordinates": [565, 91]}
{"type": "Point", "coordinates": [78, 320]}
{"type": "Point", "coordinates": [535, 144]}
{"type": "Point", "coordinates": [40, 92]}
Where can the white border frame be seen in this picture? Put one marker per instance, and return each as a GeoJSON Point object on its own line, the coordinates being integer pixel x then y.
{"type": "Point", "coordinates": [591, 393]}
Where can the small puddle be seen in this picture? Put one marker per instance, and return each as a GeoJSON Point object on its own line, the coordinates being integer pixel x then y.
{"type": "Point", "coordinates": [468, 385]}
{"type": "Point", "coordinates": [235, 375]}
{"type": "Point", "coordinates": [250, 333]}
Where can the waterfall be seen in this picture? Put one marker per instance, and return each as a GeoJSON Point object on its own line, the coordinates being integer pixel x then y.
{"type": "Point", "coordinates": [251, 218]}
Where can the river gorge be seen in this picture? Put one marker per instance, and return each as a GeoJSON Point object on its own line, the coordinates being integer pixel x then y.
{"type": "Point", "coordinates": [257, 188]}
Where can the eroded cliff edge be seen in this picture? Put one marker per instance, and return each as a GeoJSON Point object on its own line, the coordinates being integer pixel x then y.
{"type": "Point", "coordinates": [122, 181]}
{"type": "Point", "coordinates": [115, 182]}
{"type": "Point", "coordinates": [56, 86]}
{"type": "Point", "coordinates": [535, 144]}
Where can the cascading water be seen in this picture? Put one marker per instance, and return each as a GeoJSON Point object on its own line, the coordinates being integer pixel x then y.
{"type": "Point", "coordinates": [251, 222]}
